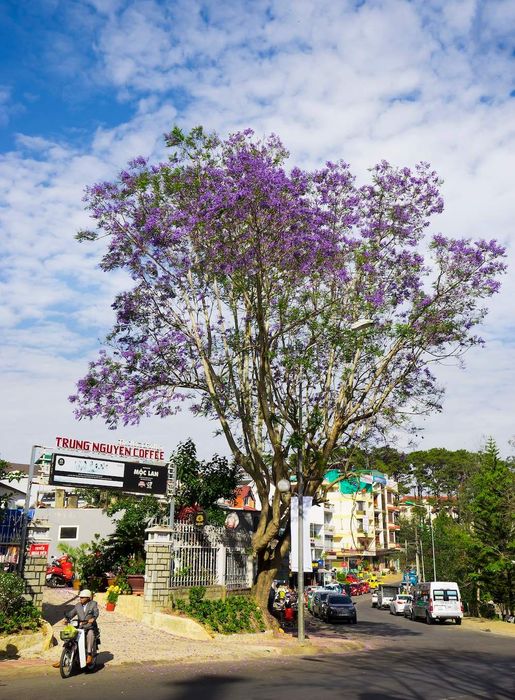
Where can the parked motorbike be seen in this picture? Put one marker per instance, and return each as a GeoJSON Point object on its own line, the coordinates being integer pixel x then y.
{"type": "Point", "coordinates": [73, 656]}
{"type": "Point", "coordinates": [57, 576]}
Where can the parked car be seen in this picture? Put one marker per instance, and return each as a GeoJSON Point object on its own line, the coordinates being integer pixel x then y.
{"type": "Point", "coordinates": [399, 603]}
{"type": "Point", "coordinates": [373, 582]}
{"type": "Point", "coordinates": [364, 587]}
{"type": "Point", "coordinates": [385, 595]}
{"type": "Point", "coordinates": [339, 607]}
{"type": "Point", "coordinates": [408, 607]}
{"type": "Point", "coordinates": [318, 602]}
{"type": "Point", "coordinates": [374, 599]}
{"type": "Point", "coordinates": [355, 589]}
{"type": "Point", "coordinates": [437, 600]}
{"type": "Point", "coordinates": [310, 597]}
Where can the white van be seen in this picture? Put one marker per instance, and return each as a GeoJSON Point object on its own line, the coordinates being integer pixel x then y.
{"type": "Point", "coordinates": [437, 600]}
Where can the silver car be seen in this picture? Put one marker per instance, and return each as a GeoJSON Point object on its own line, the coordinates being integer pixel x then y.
{"type": "Point", "coordinates": [319, 601]}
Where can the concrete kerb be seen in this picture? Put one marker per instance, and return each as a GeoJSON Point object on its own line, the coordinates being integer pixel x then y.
{"type": "Point", "coordinates": [27, 644]}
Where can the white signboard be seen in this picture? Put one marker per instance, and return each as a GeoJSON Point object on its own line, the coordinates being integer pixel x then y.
{"type": "Point", "coordinates": [85, 471]}
{"type": "Point", "coordinates": [294, 526]}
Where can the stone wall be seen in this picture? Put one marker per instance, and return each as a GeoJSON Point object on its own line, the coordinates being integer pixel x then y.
{"type": "Point", "coordinates": [157, 576]}
{"type": "Point", "coordinates": [34, 575]}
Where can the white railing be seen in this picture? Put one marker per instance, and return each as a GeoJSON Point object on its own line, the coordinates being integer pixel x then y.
{"type": "Point", "coordinates": [207, 556]}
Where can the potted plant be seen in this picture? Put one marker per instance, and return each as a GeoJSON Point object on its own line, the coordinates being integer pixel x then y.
{"type": "Point", "coordinates": [135, 574]}
{"type": "Point", "coordinates": [112, 597]}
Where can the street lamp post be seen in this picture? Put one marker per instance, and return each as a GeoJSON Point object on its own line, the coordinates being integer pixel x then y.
{"type": "Point", "coordinates": [412, 503]}
{"type": "Point", "coordinates": [300, 500]}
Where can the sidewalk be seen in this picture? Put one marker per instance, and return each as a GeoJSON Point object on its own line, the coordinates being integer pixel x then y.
{"type": "Point", "coordinates": [125, 640]}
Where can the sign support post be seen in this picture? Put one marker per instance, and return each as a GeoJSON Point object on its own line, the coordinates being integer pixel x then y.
{"type": "Point", "coordinates": [25, 522]}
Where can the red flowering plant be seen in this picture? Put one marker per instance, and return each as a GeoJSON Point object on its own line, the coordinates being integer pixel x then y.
{"type": "Point", "coordinates": [248, 279]}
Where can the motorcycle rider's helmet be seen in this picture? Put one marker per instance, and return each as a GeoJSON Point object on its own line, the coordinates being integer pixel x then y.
{"type": "Point", "coordinates": [86, 593]}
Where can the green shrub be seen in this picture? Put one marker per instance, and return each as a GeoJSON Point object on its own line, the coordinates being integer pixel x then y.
{"type": "Point", "coordinates": [16, 614]}
{"type": "Point", "coordinates": [11, 591]}
{"type": "Point", "coordinates": [234, 615]}
{"type": "Point", "coordinates": [24, 618]}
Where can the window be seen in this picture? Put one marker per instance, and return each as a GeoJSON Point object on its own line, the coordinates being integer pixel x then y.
{"type": "Point", "coordinates": [68, 533]}
{"type": "Point", "coordinates": [446, 595]}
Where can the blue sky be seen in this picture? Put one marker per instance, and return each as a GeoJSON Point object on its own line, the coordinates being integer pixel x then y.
{"type": "Point", "coordinates": [86, 85]}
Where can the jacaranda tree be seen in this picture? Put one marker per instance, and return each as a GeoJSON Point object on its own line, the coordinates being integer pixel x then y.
{"type": "Point", "coordinates": [248, 278]}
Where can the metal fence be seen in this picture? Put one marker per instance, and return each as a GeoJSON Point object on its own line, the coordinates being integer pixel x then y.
{"type": "Point", "coordinates": [207, 556]}
{"type": "Point", "coordinates": [11, 525]}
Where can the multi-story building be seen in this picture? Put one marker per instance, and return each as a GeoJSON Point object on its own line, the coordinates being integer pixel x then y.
{"type": "Point", "coordinates": [358, 524]}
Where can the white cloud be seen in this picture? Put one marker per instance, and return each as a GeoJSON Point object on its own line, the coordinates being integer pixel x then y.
{"type": "Point", "coordinates": [393, 79]}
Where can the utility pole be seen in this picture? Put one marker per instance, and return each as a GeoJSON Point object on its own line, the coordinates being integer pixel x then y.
{"type": "Point", "coordinates": [172, 477]}
{"type": "Point", "coordinates": [417, 557]}
{"type": "Point", "coordinates": [432, 545]}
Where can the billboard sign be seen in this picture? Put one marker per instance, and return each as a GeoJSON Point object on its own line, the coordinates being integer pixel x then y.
{"type": "Point", "coordinates": [133, 477]}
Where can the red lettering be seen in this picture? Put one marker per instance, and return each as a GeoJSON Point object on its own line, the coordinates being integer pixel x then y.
{"type": "Point", "coordinates": [58, 441]}
{"type": "Point", "coordinates": [95, 447]}
{"type": "Point", "coordinates": [65, 442]}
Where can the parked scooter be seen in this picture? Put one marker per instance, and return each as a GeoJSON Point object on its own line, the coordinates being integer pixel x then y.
{"type": "Point", "coordinates": [59, 573]}
{"type": "Point", "coordinates": [73, 657]}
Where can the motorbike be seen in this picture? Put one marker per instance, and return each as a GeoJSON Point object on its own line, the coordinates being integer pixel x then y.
{"type": "Point", "coordinates": [73, 656]}
{"type": "Point", "coordinates": [56, 576]}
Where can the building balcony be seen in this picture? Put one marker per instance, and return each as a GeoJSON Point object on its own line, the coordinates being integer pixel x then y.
{"type": "Point", "coordinates": [349, 551]}
{"type": "Point", "coordinates": [361, 512]}
{"type": "Point", "coordinates": [392, 506]}
{"type": "Point", "coordinates": [393, 526]}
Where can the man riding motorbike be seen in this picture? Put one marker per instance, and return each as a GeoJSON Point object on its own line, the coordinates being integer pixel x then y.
{"type": "Point", "coordinates": [87, 612]}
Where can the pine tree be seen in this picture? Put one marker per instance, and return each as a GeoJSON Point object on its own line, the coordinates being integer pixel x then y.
{"type": "Point", "coordinates": [491, 509]}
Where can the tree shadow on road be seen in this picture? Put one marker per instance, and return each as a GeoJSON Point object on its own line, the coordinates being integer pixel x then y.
{"type": "Point", "coordinates": [205, 686]}
{"type": "Point", "coordinates": [53, 613]}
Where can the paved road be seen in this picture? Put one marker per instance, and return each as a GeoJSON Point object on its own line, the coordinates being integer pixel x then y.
{"type": "Point", "coordinates": [403, 660]}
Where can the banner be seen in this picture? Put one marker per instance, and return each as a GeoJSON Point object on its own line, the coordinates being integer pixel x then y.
{"type": "Point", "coordinates": [132, 477]}
{"type": "Point", "coordinates": [307, 502]}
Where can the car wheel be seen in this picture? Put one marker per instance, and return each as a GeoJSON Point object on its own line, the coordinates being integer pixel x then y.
{"type": "Point", "coordinates": [412, 616]}
{"type": "Point", "coordinates": [457, 620]}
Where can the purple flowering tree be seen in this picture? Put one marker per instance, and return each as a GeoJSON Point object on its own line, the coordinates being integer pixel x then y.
{"type": "Point", "coordinates": [247, 279]}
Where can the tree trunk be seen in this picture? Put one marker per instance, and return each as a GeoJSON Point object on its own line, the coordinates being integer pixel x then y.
{"type": "Point", "coordinates": [266, 573]}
